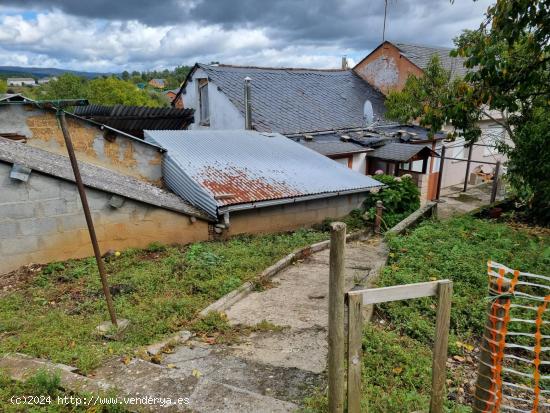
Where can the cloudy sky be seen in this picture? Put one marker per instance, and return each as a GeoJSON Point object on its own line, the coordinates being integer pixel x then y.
{"type": "Point", "coordinates": [114, 35]}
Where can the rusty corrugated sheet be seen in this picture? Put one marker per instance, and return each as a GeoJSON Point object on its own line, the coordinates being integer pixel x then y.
{"type": "Point", "coordinates": [214, 169]}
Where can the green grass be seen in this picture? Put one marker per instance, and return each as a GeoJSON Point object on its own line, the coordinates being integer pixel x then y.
{"type": "Point", "coordinates": [44, 388]}
{"type": "Point", "coordinates": [160, 290]}
{"type": "Point", "coordinates": [397, 357]}
{"type": "Point", "coordinates": [457, 249]}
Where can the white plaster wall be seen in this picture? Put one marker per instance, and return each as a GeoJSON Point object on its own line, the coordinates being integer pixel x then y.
{"type": "Point", "coordinates": [223, 114]}
{"type": "Point", "coordinates": [455, 171]}
{"type": "Point", "coordinates": [359, 163]}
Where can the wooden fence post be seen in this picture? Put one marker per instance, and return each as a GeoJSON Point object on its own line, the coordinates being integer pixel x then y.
{"type": "Point", "coordinates": [440, 177]}
{"type": "Point", "coordinates": [355, 336]}
{"type": "Point", "coordinates": [495, 183]}
{"type": "Point", "coordinates": [445, 293]}
{"type": "Point", "coordinates": [378, 217]}
{"type": "Point", "coordinates": [336, 318]}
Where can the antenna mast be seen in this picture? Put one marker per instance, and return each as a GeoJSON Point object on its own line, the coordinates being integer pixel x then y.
{"type": "Point", "coordinates": [385, 14]}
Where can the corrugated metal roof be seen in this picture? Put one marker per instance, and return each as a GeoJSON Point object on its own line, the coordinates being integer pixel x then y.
{"type": "Point", "coordinates": [134, 119]}
{"type": "Point", "coordinates": [298, 100]}
{"type": "Point", "coordinates": [216, 168]}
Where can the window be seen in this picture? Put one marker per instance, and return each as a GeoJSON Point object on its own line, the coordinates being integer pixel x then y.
{"type": "Point", "coordinates": [203, 102]}
{"type": "Point", "coordinates": [491, 136]}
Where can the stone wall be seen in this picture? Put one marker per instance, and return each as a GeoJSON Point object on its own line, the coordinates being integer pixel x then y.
{"type": "Point", "coordinates": [292, 216]}
{"type": "Point", "coordinates": [125, 155]}
{"type": "Point", "coordinates": [42, 221]}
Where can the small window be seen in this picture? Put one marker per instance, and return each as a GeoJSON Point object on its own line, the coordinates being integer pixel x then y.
{"type": "Point", "coordinates": [203, 102]}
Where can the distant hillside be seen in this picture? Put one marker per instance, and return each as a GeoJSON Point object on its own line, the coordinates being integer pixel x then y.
{"type": "Point", "coordinates": [39, 72]}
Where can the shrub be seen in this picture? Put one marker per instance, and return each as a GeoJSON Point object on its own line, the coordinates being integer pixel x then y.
{"type": "Point", "coordinates": [400, 197]}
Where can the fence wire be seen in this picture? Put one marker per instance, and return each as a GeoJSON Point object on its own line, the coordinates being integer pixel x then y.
{"type": "Point", "coordinates": [517, 338]}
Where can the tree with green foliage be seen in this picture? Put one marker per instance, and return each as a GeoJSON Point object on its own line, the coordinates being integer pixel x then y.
{"type": "Point", "coordinates": [67, 86]}
{"type": "Point", "coordinates": [113, 91]}
{"type": "Point", "coordinates": [508, 58]}
{"type": "Point", "coordinates": [3, 86]}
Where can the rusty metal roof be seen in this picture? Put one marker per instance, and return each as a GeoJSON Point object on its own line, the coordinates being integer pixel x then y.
{"type": "Point", "coordinates": [221, 170]}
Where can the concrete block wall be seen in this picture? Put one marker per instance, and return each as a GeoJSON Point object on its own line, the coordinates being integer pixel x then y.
{"type": "Point", "coordinates": [42, 221]}
{"type": "Point", "coordinates": [291, 216]}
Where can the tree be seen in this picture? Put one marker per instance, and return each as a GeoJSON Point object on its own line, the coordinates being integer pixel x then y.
{"type": "Point", "coordinates": [3, 86]}
{"type": "Point", "coordinates": [67, 86]}
{"type": "Point", "coordinates": [508, 58]}
{"type": "Point", "coordinates": [113, 91]}
{"type": "Point", "coordinates": [125, 75]}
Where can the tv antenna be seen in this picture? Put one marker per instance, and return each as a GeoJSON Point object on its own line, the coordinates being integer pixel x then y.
{"type": "Point", "coordinates": [385, 14]}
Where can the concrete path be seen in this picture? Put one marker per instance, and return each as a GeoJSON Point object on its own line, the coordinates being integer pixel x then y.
{"type": "Point", "coordinates": [456, 202]}
{"type": "Point", "coordinates": [267, 371]}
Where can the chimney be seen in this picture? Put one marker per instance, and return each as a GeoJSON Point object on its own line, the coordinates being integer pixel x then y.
{"type": "Point", "coordinates": [247, 104]}
{"type": "Point", "coordinates": [344, 63]}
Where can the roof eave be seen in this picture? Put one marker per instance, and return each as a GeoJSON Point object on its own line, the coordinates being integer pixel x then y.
{"type": "Point", "coordinates": [293, 200]}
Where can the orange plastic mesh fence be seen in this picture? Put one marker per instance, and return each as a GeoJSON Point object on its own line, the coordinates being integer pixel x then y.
{"type": "Point", "coordinates": [518, 341]}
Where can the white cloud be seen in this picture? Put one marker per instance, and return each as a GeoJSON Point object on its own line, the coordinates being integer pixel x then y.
{"type": "Point", "coordinates": [53, 38]}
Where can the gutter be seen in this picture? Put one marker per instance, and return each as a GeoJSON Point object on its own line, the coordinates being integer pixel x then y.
{"type": "Point", "coordinates": [273, 202]}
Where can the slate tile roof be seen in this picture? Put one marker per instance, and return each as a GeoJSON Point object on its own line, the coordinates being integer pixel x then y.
{"type": "Point", "coordinates": [291, 101]}
{"type": "Point", "coordinates": [93, 176]}
{"type": "Point", "coordinates": [400, 152]}
{"type": "Point", "coordinates": [334, 147]}
{"type": "Point", "coordinates": [421, 55]}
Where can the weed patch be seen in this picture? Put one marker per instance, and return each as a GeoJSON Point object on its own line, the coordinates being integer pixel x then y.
{"type": "Point", "coordinates": [45, 389]}
{"type": "Point", "coordinates": [160, 289]}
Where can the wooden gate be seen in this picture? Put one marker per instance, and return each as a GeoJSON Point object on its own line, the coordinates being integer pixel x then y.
{"type": "Point", "coordinates": [443, 289]}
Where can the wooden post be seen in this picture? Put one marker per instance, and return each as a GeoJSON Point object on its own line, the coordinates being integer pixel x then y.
{"type": "Point", "coordinates": [378, 217]}
{"type": "Point", "coordinates": [470, 150]}
{"type": "Point", "coordinates": [336, 318]}
{"type": "Point", "coordinates": [440, 177]}
{"type": "Point", "coordinates": [483, 399]}
{"type": "Point", "coordinates": [495, 183]}
{"type": "Point", "coordinates": [355, 336]}
{"type": "Point", "coordinates": [445, 292]}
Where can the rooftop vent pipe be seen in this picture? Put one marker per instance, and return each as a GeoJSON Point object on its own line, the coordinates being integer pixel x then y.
{"type": "Point", "coordinates": [344, 63]}
{"type": "Point", "coordinates": [247, 104]}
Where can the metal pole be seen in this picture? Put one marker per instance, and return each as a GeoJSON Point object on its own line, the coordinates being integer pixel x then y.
{"type": "Point", "coordinates": [440, 177]}
{"type": "Point", "coordinates": [247, 104]}
{"type": "Point", "coordinates": [87, 214]}
{"type": "Point", "coordinates": [470, 150]}
{"type": "Point", "coordinates": [495, 183]}
{"type": "Point", "coordinates": [336, 318]}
